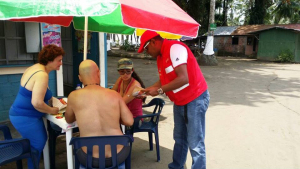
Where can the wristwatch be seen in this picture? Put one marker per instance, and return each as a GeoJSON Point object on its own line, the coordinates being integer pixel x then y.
{"type": "Point", "coordinates": [160, 91]}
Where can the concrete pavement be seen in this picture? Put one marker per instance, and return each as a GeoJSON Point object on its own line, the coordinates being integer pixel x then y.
{"type": "Point", "coordinates": [253, 120]}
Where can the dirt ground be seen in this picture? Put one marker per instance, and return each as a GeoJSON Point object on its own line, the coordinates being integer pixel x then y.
{"type": "Point", "coordinates": [253, 121]}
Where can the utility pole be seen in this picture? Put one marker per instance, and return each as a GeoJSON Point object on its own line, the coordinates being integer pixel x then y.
{"type": "Point", "coordinates": [208, 57]}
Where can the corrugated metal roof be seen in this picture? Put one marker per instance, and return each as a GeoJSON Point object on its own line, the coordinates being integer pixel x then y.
{"type": "Point", "coordinates": [250, 29]}
{"type": "Point", "coordinates": [224, 30]}
{"type": "Point", "coordinates": [247, 29]}
{"type": "Point", "coordinates": [277, 27]}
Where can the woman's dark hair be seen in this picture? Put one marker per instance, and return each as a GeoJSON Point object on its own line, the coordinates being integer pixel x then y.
{"type": "Point", "coordinates": [137, 78]}
{"type": "Point", "coordinates": [49, 53]}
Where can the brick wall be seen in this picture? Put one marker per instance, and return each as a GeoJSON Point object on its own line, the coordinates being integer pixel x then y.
{"type": "Point", "coordinates": [9, 87]}
{"type": "Point", "coordinates": [225, 48]}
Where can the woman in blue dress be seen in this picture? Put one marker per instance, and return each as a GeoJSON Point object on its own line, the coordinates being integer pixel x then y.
{"type": "Point", "coordinates": [31, 103]}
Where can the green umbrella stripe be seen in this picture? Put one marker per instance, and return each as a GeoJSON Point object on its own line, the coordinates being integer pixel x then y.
{"type": "Point", "coordinates": [12, 9]}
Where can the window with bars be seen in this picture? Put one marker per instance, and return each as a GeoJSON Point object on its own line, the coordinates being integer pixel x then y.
{"type": "Point", "coordinates": [13, 44]}
{"type": "Point", "coordinates": [249, 40]}
{"type": "Point", "coordinates": [235, 40]}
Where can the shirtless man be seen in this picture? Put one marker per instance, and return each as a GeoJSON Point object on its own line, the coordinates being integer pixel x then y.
{"type": "Point", "coordinates": [97, 111]}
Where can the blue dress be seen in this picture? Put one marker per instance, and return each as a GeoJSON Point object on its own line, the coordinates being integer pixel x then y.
{"type": "Point", "coordinates": [28, 121]}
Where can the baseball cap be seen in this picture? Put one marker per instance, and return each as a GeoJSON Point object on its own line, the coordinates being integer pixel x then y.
{"type": "Point", "coordinates": [147, 35]}
{"type": "Point", "coordinates": [125, 64]}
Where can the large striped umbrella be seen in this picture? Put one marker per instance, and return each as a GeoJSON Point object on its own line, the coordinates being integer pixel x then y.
{"type": "Point", "coordinates": [111, 16]}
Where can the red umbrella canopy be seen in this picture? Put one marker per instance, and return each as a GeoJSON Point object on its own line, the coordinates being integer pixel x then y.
{"type": "Point", "coordinates": [113, 16]}
{"type": "Point", "coordinates": [158, 15]}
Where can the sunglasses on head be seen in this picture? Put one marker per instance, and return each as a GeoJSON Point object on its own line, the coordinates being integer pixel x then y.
{"type": "Point", "coordinates": [122, 72]}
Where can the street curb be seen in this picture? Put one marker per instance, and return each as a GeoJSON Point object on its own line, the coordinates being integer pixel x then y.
{"type": "Point", "coordinates": [125, 54]}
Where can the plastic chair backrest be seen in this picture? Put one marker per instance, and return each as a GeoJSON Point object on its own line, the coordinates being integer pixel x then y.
{"type": "Point", "coordinates": [159, 104]}
{"type": "Point", "coordinates": [100, 141]}
{"type": "Point", "coordinates": [6, 132]}
{"type": "Point", "coordinates": [150, 126]}
{"type": "Point", "coordinates": [154, 117]}
{"type": "Point", "coordinates": [14, 149]}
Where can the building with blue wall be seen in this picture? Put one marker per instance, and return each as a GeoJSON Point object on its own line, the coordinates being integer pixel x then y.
{"type": "Point", "coordinates": [9, 87]}
{"type": "Point", "coordinates": [19, 46]}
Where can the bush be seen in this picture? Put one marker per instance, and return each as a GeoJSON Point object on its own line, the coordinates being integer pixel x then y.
{"type": "Point", "coordinates": [127, 46]}
{"type": "Point", "coordinates": [285, 56]}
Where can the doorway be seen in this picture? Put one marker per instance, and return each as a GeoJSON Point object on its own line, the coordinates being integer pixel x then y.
{"type": "Point", "coordinates": [66, 42]}
{"type": "Point", "coordinates": [74, 56]}
{"type": "Point", "coordinates": [254, 44]}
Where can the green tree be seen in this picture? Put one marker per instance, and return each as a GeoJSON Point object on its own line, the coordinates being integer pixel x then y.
{"type": "Point", "coordinates": [257, 11]}
{"type": "Point", "coordinates": [226, 5]}
{"type": "Point", "coordinates": [238, 12]}
{"type": "Point", "coordinates": [182, 4]}
{"type": "Point", "coordinates": [198, 10]}
{"type": "Point", "coordinates": [225, 9]}
{"type": "Point", "coordinates": [288, 10]}
{"type": "Point", "coordinates": [222, 9]}
{"type": "Point", "coordinates": [219, 13]}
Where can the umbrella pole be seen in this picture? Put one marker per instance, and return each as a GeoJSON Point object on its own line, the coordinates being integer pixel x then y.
{"type": "Point", "coordinates": [85, 37]}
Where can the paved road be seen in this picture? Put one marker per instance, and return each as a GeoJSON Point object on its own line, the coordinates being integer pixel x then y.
{"type": "Point", "coordinates": [253, 119]}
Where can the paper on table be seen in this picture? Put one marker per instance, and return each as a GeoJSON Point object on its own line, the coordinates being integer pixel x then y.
{"type": "Point", "coordinates": [60, 103]}
{"type": "Point", "coordinates": [137, 92]}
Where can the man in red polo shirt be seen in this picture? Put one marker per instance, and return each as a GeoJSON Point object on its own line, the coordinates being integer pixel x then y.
{"type": "Point", "coordinates": [183, 82]}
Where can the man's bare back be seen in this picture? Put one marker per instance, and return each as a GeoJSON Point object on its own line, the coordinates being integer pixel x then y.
{"type": "Point", "coordinates": [97, 111]}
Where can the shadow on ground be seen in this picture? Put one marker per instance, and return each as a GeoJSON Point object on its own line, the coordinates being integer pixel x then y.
{"type": "Point", "coordinates": [141, 156]}
{"type": "Point", "coordinates": [242, 81]}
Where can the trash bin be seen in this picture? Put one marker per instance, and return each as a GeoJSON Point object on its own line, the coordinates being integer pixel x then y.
{"type": "Point", "coordinates": [216, 51]}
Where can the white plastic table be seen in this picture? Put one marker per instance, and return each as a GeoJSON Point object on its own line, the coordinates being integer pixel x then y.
{"type": "Point", "coordinates": [68, 128]}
